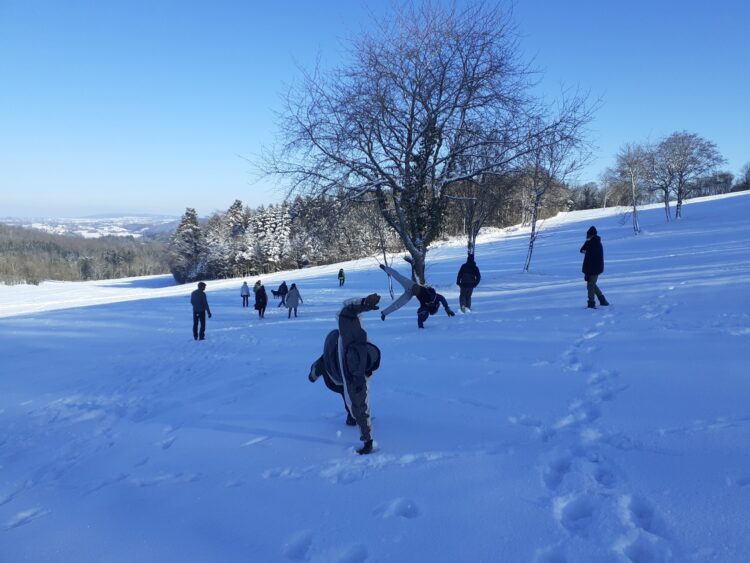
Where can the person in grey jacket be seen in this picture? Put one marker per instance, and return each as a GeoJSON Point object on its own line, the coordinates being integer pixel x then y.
{"type": "Point", "coordinates": [199, 301]}
{"type": "Point", "coordinates": [429, 299]}
{"type": "Point", "coordinates": [293, 299]}
{"type": "Point", "coordinates": [347, 362]}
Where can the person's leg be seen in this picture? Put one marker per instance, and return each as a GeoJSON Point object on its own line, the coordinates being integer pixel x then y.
{"type": "Point", "coordinates": [196, 317]}
{"type": "Point", "coordinates": [289, 315]}
{"type": "Point", "coordinates": [202, 319]}
{"type": "Point", "coordinates": [469, 291]}
{"type": "Point", "coordinates": [295, 312]}
{"type": "Point", "coordinates": [591, 290]}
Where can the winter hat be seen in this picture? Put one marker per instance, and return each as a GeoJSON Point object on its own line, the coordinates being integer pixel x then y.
{"type": "Point", "coordinates": [201, 285]}
{"type": "Point", "coordinates": [591, 232]}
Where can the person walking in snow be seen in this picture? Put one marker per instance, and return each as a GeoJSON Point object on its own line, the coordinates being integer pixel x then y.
{"type": "Point", "coordinates": [245, 293]}
{"type": "Point", "coordinates": [342, 277]}
{"type": "Point", "coordinates": [199, 301]}
{"type": "Point", "coordinates": [293, 299]}
{"type": "Point", "coordinates": [347, 363]}
{"type": "Point", "coordinates": [281, 292]}
{"type": "Point", "coordinates": [467, 279]}
{"type": "Point", "coordinates": [261, 300]}
{"type": "Point", "coordinates": [257, 286]}
{"type": "Point", "coordinates": [429, 299]}
{"type": "Point", "coordinates": [593, 266]}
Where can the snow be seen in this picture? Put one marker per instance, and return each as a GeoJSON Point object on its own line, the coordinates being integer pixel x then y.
{"type": "Point", "coordinates": [532, 429]}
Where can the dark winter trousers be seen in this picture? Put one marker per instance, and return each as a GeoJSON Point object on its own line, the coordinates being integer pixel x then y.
{"type": "Point", "coordinates": [290, 312]}
{"type": "Point", "coordinates": [283, 300]}
{"type": "Point", "coordinates": [199, 317]}
{"type": "Point", "coordinates": [341, 282]}
{"type": "Point", "coordinates": [320, 370]}
{"type": "Point", "coordinates": [464, 297]}
{"type": "Point", "coordinates": [261, 312]}
{"type": "Point", "coordinates": [592, 288]}
{"type": "Point", "coordinates": [245, 299]}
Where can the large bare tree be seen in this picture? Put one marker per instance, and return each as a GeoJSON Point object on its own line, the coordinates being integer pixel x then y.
{"type": "Point", "coordinates": [690, 158]}
{"type": "Point", "coordinates": [433, 96]}
{"type": "Point", "coordinates": [631, 165]}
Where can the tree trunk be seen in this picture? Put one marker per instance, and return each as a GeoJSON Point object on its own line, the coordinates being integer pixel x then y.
{"type": "Point", "coordinates": [636, 225]}
{"type": "Point", "coordinates": [532, 237]}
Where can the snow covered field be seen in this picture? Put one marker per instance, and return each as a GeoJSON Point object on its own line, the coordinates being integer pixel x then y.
{"type": "Point", "coordinates": [532, 429]}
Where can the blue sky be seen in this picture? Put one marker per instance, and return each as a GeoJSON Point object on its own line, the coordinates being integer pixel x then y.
{"type": "Point", "coordinates": [148, 106]}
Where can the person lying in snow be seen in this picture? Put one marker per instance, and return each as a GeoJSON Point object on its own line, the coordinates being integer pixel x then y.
{"type": "Point", "coordinates": [429, 299]}
{"type": "Point", "coordinates": [347, 363]}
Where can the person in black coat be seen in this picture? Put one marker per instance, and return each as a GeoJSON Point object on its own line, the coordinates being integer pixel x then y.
{"type": "Point", "coordinates": [200, 308]}
{"type": "Point", "coordinates": [281, 292]}
{"type": "Point", "coordinates": [467, 279]}
{"type": "Point", "coordinates": [261, 300]}
{"type": "Point", "coordinates": [593, 266]}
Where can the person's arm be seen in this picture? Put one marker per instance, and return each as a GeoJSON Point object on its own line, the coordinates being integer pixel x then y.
{"type": "Point", "coordinates": [442, 300]}
{"type": "Point", "coordinates": [208, 309]}
{"type": "Point", "coordinates": [585, 247]}
{"type": "Point", "coordinates": [479, 278]}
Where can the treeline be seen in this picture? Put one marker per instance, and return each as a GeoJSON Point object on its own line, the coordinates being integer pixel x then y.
{"type": "Point", "coordinates": [246, 241]}
{"type": "Point", "coordinates": [32, 256]}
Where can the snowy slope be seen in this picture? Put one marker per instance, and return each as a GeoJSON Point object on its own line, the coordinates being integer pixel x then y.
{"type": "Point", "coordinates": [532, 429]}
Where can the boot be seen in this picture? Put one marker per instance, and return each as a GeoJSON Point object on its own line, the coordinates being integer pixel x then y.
{"type": "Point", "coordinates": [366, 449]}
{"type": "Point", "coordinates": [603, 301]}
{"type": "Point", "coordinates": [591, 305]}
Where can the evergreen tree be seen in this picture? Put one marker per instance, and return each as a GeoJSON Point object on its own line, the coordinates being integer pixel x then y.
{"type": "Point", "coordinates": [187, 249]}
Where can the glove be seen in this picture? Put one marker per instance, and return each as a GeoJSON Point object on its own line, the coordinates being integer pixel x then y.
{"type": "Point", "coordinates": [209, 315]}
{"type": "Point", "coordinates": [381, 266]}
{"type": "Point", "coordinates": [366, 449]}
{"type": "Point", "coordinates": [370, 302]}
{"type": "Point", "coordinates": [382, 316]}
{"type": "Point", "coordinates": [451, 313]}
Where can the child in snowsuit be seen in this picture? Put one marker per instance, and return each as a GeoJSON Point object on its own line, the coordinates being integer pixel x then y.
{"type": "Point", "coordinates": [593, 266]}
{"type": "Point", "coordinates": [293, 299]}
{"type": "Point", "coordinates": [429, 299]}
{"type": "Point", "coordinates": [342, 277]}
{"type": "Point", "coordinates": [347, 362]}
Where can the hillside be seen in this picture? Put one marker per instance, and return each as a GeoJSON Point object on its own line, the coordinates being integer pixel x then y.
{"type": "Point", "coordinates": [531, 429]}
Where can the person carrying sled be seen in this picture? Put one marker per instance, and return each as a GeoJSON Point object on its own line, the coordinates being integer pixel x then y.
{"type": "Point", "coordinates": [347, 363]}
{"type": "Point", "coordinates": [593, 266]}
{"type": "Point", "coordinates": [467, 279]}
{"type": "Point", "coordinates": [199, 301]}
{"type": "Point", "coordinates": [261, 300]}
{"type": "Point", "coordinates": [281, 292]}
{"type": "Point", "coordinates": [429, 299]}
{"type": "Point", "coordinates": [245, 293]}
{"type": "Point", "coordinates": [342, 277]}
{"type": "Point", "coordinates": [293, 299]}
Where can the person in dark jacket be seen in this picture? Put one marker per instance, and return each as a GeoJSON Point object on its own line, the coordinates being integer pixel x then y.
{"type": "Point", "coordinates": [593, 266]}
{"type": "Point", "coordinates": [429, 299]}
{"type": "Point", "coordinates": [347, 362]}
{"type": "Point", "coordinates": [467, 279]}
{"type": "Point", "coordinates": [281, 292]}
{"type": "Point", "coordinates": [199, 301]}
{"type": "Point", "coordinates": [261, 300]}
{"type": "Point", "coordinates": [342, 277]}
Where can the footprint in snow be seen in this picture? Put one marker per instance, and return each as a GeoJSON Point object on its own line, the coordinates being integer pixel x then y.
{"type": "Point", "coordinates": [554, 473]}
{"type": "Point", "coordinates": [575, 513]}
{"type": "Point", "coordinates": [641, 547]}
{"type": "Point", "coordinates": [742, 481]}
{"type": "Point", "coordinates": [350, 554]}
{"type": "Point", "coordinates": [167, 443]}
{"type": "Point", "coordinates": [398, 508]}
{"type": "Point", "coordinates": [551, 554]}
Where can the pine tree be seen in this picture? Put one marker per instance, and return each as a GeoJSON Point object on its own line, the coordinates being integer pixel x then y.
{"type": "Point", "coordinates": [187, 249]}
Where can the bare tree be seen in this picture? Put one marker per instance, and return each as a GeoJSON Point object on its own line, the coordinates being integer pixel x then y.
{"type": "Point", "coordinates": [432, 97]}
{"type": "Point", "coordinates": [690, 158]}
{"type": "Point", "coordinates": [631, 165]}
{"type": "Point", "coordinates": [659, 174]}
{"type": "Point", "coordinates": [553, 155]}
{"type": "Point", "coordinates": [478, 200]}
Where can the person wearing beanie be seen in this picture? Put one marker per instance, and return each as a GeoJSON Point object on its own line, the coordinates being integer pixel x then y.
{"type": "Point", "coordinates": [593, 266]}
{"type": "Point", "coordinates": [467, 279]}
